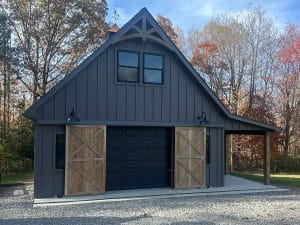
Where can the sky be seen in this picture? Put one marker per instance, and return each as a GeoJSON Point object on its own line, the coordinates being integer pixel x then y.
{"type": "Point", "coordinates": [188, 14]}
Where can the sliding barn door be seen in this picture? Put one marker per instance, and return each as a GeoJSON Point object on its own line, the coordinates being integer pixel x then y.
{"type": "Point", "coordinates": [85, 160]}
{"type": "Point", "coordinates": [189, 157]}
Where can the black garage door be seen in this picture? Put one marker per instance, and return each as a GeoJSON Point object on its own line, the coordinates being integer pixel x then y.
{"type": "Point", "coordinates": [137, 157]}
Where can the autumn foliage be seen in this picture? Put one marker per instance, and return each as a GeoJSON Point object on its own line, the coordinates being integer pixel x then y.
{"type": "Point", "coordinates": [254, 69]}
{"type": "Point", "coordinates": [249, 148]}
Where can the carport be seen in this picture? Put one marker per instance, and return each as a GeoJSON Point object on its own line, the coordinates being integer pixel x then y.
{"type": "Point", "coordinates": [249, 127]}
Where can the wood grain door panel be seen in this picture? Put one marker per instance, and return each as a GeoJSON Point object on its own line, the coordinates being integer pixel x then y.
{"type": "Point", "coordinates": [85, 160]}
{"type": "Point", "coordinates": [189, 157]}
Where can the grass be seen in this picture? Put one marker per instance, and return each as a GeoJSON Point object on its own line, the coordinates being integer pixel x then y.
{"type": "Point", "coordinates": [17, 178]}
{"type": "Point", "coordinates": [281, 179]}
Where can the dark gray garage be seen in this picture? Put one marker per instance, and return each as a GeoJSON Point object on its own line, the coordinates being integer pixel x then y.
{"type": "Point", "coordinates": [134, 114]}
{"type": "Point", "coordinates": [138, 157]}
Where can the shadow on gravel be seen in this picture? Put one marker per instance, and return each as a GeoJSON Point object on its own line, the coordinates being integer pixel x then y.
{"type": "Point", "coordinates": [193, 223]}
{"type": "Point", "coordinates": [72, 220]}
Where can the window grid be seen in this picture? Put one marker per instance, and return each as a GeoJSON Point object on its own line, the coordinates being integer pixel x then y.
{"type": "Point", "coordinates": [153, 68]}
{"type": "Point", "coordinates": [125, 66]}
{"type": "Point", "coordinates": [141, 67]}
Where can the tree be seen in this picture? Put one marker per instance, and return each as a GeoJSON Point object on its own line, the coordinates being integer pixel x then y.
{"type": "Point", "coordinates": [224, 66]}
{"type": "Point", "coordinates": [174, 32]}
{"type": "Point", "coordinates": [260, 35]}
{"type": "Point", "coordinates": [52, 37]}
{"type": "Point", "coordinates": [236, 56]}
{"type": "Point", "coordinates": [238, 53]}
{"type": "Point", "coordinates": [250, 147]}
{"type": "Point", "coordinates": [288, 86]}
{"type": "Point", "coordinates": [5, 73]}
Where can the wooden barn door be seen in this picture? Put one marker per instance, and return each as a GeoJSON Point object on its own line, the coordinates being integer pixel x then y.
{"type": "Point", "coordinates": [189, 157]}
{"type": "Point", "coordinates": [85, 160]}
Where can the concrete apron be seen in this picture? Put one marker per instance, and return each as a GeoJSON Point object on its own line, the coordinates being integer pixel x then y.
{"type": "Point", "coordinates": [233, 185]}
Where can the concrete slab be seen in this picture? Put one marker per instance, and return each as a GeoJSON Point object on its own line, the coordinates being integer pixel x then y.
{"type": "Point", "coordinates": [233, 185]}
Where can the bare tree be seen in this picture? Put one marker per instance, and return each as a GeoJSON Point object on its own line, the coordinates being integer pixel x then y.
{"type": "Point", "coordinates": [52, 37]}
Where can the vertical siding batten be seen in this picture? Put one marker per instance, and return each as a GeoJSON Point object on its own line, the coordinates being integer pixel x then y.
{"type": "Point", "coordinates": [49, 109]}
{"type": "Point", "coordinates": [157, 103]}
{"type": "Point", "coordinates": [81, 94]}
{"type": "Point", "coordinates": [60, 97]}
{"type": "Point", "coordinates": [38, 154]}
{"type": "Point", "coordinates": [92, 97]}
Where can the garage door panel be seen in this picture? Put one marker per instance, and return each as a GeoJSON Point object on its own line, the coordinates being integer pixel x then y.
{"type": "Point", "coordinates": [162, 179]}
{"type": "Point", "coordinates": [131, 181]}
{"type": "Point", "coordinates": [147, 180]}
{"type": "Point", "coordinates": [115, 155]}
{"type": "Point", "coordinates": [114, 145]}
{"type": "Point", "coordinates": [145, 154]}
{"type": "Point", "coordinates": [146, 144]}
{"type": "Point", "coordinates": [130, 168]}
{"type": "Point", "coordinates": [131, 133]}
{"type": "Point", "coordinates": [146, 132]}
{"type": "Point", "coordinates": [114, 169]}
{"type": "Point", "coordinates": [162, 143]}
{"type": "Point", "coordinates": [161, 157]}
{"type": "Point", "coordinates": [130, 156]}
{"type": "Point", "coordinates": [147, 167]}
{"type": "Point", "coordinates": [160, 167]}
{"type": "Point", "coordinates": [131, 145]}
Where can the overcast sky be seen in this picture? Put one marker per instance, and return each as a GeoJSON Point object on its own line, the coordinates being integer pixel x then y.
{"type": "Point", "coordinates": [195, 13]}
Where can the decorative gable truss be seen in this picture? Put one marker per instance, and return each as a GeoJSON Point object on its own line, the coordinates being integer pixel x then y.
{"type": "Point", "coordinates": [146, 29]}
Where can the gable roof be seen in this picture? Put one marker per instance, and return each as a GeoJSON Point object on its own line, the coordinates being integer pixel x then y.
{"type": "Point", "coordinates": [143, 25]}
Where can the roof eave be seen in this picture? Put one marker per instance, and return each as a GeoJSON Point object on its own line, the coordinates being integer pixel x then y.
{"type": "Point", "coordinates": [256, 123]}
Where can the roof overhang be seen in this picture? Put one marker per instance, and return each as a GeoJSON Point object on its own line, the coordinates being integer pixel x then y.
{"type": "Point", "coordinates": [143, 26]}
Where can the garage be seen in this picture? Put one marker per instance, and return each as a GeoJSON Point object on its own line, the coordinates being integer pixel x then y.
{"type": "Point", "coordinates": [138, 157]}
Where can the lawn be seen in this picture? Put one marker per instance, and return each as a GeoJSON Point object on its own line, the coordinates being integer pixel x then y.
{"type": "Point", "coordinates": [17, 178]}
{"type": "Point", "coordinates": [281, 179]}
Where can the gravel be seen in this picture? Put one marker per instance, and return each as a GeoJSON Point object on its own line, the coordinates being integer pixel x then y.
{"type": "Point", "coordinates": [271, 208]}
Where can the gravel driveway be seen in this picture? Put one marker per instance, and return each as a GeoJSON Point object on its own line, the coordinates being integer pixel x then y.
{"type": "Point", "coordinates": [272, 208]}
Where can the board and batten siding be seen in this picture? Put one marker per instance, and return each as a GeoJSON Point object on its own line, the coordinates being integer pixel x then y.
{"type": "Point", "coordinates": [96, 96]}
{"type": "Point", "coordinates": [233, 125]}
{"type": "Point", "coordinates": [48, 181]}
{"type": "Point", "coordinates": [215, 170]}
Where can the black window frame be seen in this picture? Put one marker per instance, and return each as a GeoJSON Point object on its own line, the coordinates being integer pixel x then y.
{"type": "Point", "coordinates": [149, 68]}
{"type": "Point", "coordinates": [56, 150]}
{"type": "Point", "coordinates": [138, 67]}
{"type": "Point", "coordinates": [208, 149]}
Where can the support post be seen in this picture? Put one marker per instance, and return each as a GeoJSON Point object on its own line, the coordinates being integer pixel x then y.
{"type": "Point", "coordinates": [227, 153]}
{"type": "Point", "coordinates": [267, 158]}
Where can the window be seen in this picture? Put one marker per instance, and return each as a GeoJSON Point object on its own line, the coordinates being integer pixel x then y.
{"type": "Point", "coordinates": [153, 69]}
{"type": "Point", "coordinates": [60, 151]}
{"type": "Point", "coordinates": [128, 66]}
{"type": "Point", "coordinates": [208, 149]}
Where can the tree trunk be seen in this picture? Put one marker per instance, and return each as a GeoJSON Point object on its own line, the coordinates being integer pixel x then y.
{"type": "Point", "coordinates": [286, 138]}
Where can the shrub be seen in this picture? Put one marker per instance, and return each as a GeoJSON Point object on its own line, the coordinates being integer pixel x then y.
{"type": "Point", "coordinates": [292, 165]}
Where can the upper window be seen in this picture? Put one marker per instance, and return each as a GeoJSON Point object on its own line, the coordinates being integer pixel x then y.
{"type": "Point", "coordinates": [153, 69]}
{"type": "Point", "coordinates": [128, 66]}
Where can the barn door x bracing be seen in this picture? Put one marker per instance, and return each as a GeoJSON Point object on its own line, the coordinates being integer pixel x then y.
{"type": "Point", "coordinates": [85, 160]}
{"type": "Point", "coordinates": [190, 157]}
